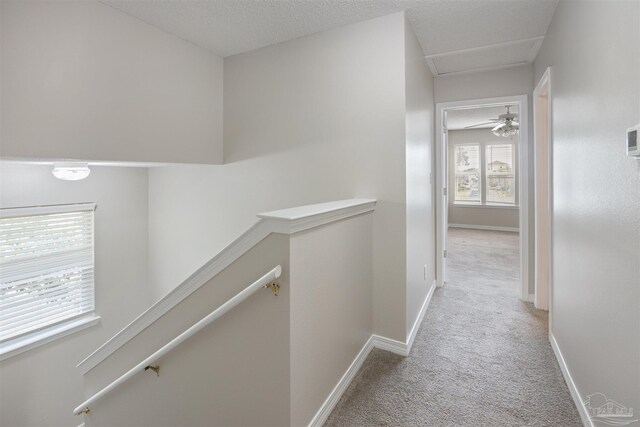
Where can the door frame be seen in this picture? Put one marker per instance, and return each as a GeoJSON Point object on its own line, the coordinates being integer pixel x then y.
{"type": "Point", "coordinates": [523, 182]}
{"type": "Point", "coordinates": [543, 297]}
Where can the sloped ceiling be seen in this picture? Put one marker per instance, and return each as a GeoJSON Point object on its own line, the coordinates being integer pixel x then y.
{"type": "Point", "coordinates": [456, 35]}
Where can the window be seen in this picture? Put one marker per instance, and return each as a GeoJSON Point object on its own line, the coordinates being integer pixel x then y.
{"type": "Point", "coordinates": [499, 172]}
{"type": "Point", "coordinates": [467, 173]}
{"type": "Point", "coordinates": [46, 268]}
{"type": "Point", "coordinates": [493, 183]}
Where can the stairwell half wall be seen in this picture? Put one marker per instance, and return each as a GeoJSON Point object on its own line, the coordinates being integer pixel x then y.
{"type": "Point", "coordinates": [314, 119]}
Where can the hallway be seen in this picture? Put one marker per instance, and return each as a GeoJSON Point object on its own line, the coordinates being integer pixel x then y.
{"type": "Point", "coordinates": [489, 361]}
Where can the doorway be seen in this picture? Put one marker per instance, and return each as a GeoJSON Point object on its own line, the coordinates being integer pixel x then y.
{"type": "Point", "coordinates": [543, 191]}
{"type": "Point", "coordinates": [490, 176]}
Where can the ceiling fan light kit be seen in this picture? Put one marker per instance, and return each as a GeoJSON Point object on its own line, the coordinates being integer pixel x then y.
{"type": "Point", "coordinates": [507, 125]}
{"type": "Point", "coordinates": [505, 130]}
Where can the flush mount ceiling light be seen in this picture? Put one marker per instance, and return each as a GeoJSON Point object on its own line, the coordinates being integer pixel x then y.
{"type": "Point", "coordinates": [71, 171]}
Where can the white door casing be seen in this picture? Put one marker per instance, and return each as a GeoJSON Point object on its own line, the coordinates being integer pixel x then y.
{"type": "Point", "coordinates": [543, 173]}
{"type": "Point", "coordinates": [523, 181]}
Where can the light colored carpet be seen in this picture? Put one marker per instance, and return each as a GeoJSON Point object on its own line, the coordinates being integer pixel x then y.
{"type": "Point", "coordinates": [481, 357]}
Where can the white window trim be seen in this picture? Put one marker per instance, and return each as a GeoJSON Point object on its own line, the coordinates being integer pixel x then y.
{"type": "Point", "coordinates": [49, 209]}
{"type": "Point", "coordinates": [485, 206]}
{"type": "Point", "coordinates": [483, 177]}
{"type": "Point", "coordinates": [39, 337]}
{"type": "Point", "coordinates": [46, 335]}
{"type": "Point", "coordinates": [481, 181]}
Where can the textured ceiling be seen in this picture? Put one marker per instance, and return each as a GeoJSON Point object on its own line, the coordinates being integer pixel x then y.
{"type": "Point", "coordinates": [459, 119]}
{"type": "Point", "coordinates": [229, 27]}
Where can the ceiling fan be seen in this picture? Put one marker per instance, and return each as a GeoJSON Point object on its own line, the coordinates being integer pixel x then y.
{"type": "Point", "coordinates": [506, 124]}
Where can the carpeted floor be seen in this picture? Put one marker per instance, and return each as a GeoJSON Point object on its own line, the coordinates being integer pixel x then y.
{"type": "Point", "coordinates": [481, 357]}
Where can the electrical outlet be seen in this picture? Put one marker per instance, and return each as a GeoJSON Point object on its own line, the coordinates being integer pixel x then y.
{"type": "Point", "coordinates": [425, 272]}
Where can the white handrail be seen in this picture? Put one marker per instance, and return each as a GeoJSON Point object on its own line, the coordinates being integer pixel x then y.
{"type": "Point", "coordinates": [218, 312]}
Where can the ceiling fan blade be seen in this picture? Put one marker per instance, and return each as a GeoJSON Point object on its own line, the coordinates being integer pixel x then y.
{"type": "Point", "coordinates": [480, 124]}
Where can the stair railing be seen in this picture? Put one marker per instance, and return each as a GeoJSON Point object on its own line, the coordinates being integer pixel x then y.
{"type": "Point", "coordinates": [266, 281]}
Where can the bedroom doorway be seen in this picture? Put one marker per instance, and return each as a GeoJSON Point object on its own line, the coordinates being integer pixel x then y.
{"type": "Point", "coordinates": [481, 170]}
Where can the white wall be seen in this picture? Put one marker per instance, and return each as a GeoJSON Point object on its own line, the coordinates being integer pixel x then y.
{"type": "Point", "coordinates": [480, 215]}
{"type": "Point", "coordinates": [314, 119]}
{"type": "Point", "coordinates": [593, 50]}
{"type": "Point", "coordinates": [419, 165]}
{"type": "Point", "coordinates": [81, 80]}
{"type": "Point", "coordinates": [331, 308]}
{"type": "Point", "coordinates": [42, 386]}
{"type": "Point", "coordinates": [491, 84]}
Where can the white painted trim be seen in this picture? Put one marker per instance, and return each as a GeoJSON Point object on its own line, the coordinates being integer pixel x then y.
{"type": "Point", "coordinates": [290, 221]}
{"type": "Point", "coordinates": [484, 206]}
{"type": "Point", "coordinates": [486, 47]}
{"type": "Point", "coordinates": [523, 191]}
{"type": "Point", "coordinates": [485, 227]}
{"type": "Point", "coordinates": [416, 325]}
{"type": "Point", "coordinates": [391, 345]}
{"type": "Point", "coordinates": [575, 394]}
{"type": "Point", "coordinates": [533, 52]}
{"type": "Point", "coordinates": [299, 219]}
{"type": "Point", "coordinates": [36, 339]}
{"type": "Point", "coordinates": [46, 209]}
{"type": "Point", "coordinates": [441, 184]}
{"type": "Point", "coordinates": [334, 397]}
{"type": "Point", "coordinates": [545, 80]}
{"type": "Point", "coordinates": [484, 69]}
{"type": "Point", "coordinates": [523, 180]}
{"type": "Point", "coordinates": [51, 162]}
{"type": "Point", "coordinates": [432, 66]}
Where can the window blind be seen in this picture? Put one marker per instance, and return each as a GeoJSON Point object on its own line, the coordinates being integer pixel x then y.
{"type": "Point", "coordinates": [500, 174]}
{"type": "Point", "coordinates": [467, 173]}
{"type": "Point", "coordinates": [46, 266]}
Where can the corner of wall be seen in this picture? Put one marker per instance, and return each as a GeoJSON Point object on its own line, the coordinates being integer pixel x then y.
{"type": "Point", "coordinates": [419, 203]}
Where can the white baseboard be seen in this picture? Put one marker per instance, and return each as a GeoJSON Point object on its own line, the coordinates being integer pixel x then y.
{"type": "Point", "coordinates": [575, 394]}
{"type": "Point", "coordinates": [418, 322]}
{"type": "Point", "coordinates": [337, 392]}
{"type": "Point", "coordinates": [485, 227]}
{"type": "Point", "coordinates": [332, 400]}
{"type": "Point", "coordinates": [376, 341]}
{"type": "Point", "coordinates": [401, 348]}
{"type": "Point", "coordinates": [388, 344]}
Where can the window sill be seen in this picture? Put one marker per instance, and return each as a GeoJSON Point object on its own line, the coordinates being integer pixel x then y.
{"type": "Point", "coordinates": [472, 205]}
{"type": "Point", "coordinates": [36, 339]}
